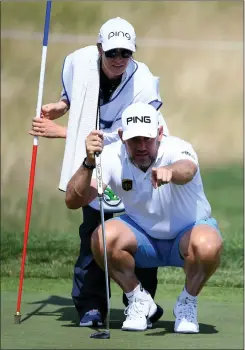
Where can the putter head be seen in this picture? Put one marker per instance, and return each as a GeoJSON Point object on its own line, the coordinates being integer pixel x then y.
{"type": "Point", "coordinates": [101, 335]}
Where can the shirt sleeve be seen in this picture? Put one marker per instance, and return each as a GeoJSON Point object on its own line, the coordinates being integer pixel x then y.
{"type": "Point", "coordinates": [67, 78]}
{"type": "Point", "coordinates": [183, 150]}
{"type": "Point", "coordinates": [111, 134]}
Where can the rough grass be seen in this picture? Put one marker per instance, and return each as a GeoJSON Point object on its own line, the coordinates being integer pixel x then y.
{"type": "Point", "coordinates": [170, 18]}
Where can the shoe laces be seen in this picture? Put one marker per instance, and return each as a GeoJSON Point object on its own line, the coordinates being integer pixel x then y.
{"type": "Point", "coordinates": [135, 309]}
{"type": "Point", "coordinates": [187, 309]}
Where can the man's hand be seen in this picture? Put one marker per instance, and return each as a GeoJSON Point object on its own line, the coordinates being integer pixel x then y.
{"type": "Point", "coordinates": [47, 128]}
{"type": "Point", "coordinates": [94, 143]}
{"type": "Point", "coordinates": [161, 176]}
{"type": "Point", "coordinates": [54, 110]}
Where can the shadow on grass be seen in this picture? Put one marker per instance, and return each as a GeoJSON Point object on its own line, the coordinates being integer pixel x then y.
{"type": "Point", "coordinates": [67, 313]}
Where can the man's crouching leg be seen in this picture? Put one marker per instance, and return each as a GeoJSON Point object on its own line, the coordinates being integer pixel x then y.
{"type": "Point", "coordinates": [121, 247]}
{"type": "Point", "coordinates": [201, 249]}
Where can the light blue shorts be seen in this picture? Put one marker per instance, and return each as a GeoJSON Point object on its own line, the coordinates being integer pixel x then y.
{"type": "Point", "coordinates": [152, 252]}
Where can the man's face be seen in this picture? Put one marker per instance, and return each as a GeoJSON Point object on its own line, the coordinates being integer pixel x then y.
{"type": "Point", "coordinates": [115, 62]}
{"type": "Point", "coordinates": [142, 151]}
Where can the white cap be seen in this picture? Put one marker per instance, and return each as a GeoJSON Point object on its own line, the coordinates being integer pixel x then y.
{"type": "Point", "coordinates": [139, 119]}
{"type": "Point", "coordinates": [117, 33]}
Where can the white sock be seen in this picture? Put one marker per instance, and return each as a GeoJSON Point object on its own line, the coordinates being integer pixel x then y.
{"type": "Point", "coordinates": [138, 291]}
{"type": "Point", "coordinates": [185, 294]}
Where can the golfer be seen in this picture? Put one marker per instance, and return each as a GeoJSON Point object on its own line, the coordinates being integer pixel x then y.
{"type": "Point", "coordinates": [168, 218]}
{"type": "Point", "coordinates": [123, 81]}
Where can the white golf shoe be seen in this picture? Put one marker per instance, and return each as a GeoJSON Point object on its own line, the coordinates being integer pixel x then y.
{"type": "Point", "coordinates": [185, 311]}
{"type": "Point", "coordinates": [138, 312]}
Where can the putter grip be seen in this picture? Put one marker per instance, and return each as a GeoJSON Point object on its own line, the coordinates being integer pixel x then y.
{"type": "Point", "coordinates": [99, 174]}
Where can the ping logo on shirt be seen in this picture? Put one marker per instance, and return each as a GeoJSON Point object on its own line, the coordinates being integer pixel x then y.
{"type": "Point", "coordinates": [142, 119]}
{"type": "Point", "coordinates": [112, 34]}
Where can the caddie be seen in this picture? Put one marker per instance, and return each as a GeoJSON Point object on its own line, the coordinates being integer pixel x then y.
{"type": "Point", "coordinates": [122, 81]}
{"type": "Point", "coordinates": [167, 220]}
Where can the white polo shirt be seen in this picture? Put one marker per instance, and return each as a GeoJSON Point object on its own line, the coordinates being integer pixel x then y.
{"type": "Point", "coordinates": [163, 212]}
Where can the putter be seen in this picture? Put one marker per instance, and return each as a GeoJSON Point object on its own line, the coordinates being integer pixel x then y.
{"type": "Point", "coordinates": [106, 333]}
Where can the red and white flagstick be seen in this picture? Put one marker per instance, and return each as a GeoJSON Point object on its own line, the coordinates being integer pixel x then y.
{"type": "Point", "coordinates": [17, 316]}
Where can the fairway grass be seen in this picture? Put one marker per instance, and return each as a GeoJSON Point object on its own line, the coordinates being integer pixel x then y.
{"type": "Point", "coordinates": [49, 320]}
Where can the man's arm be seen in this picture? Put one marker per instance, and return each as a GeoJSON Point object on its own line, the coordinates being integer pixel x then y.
{"type": "Point", "coordinates": [81, 189]}
{"type": "Point", "coordinates": [180, 173]}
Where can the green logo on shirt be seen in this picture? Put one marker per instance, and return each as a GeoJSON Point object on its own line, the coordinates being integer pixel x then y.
{"type": "Point", "coordinates": [111, 198]}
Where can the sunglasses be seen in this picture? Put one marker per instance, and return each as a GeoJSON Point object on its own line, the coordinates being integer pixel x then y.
{"type": "Point", "coordinates": [118, 52]}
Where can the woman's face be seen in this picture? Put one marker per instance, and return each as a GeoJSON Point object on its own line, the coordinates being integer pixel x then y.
{"type": "Point", "coordinates": [115, 62]}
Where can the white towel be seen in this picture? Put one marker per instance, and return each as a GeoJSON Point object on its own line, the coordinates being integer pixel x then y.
{"type": "Point", "coordinates": [83, 73]}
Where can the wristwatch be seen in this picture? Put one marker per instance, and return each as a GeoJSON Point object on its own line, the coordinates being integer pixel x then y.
{"type": "Point", "coordinates": [90, 167]}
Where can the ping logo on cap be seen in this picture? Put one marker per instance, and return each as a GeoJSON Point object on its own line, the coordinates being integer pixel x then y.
{"type": "Point", "coordinates": [112, 34]}
{"type": "Point", "coordinates": [143, 119]}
